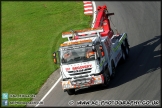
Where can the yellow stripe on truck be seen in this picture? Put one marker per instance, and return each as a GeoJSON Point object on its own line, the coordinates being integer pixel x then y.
{"type": "Point", "coordinates": [120, 42]}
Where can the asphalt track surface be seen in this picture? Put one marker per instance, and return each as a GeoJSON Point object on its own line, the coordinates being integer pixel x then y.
{"type": "Point", "coordinates": [140, 77]}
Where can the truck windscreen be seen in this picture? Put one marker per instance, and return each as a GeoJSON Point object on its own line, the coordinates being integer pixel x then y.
{"type": "Point", "coordinates": [77, 53]}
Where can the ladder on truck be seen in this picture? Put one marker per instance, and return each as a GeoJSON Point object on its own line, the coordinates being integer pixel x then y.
{"type": "Point", "coordinates": [85, 33]}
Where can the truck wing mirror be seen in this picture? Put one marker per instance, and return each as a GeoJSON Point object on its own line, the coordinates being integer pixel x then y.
{"type": "Point", "coordinates": [102, 52]}
{"type": "Point", "coordinates": [54, 58]}
{"type": "Point", "coordinates": [54, 54]}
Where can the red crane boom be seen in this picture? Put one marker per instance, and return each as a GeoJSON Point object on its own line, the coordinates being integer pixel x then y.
{"type": "Point", "coordinates": [103, 21]}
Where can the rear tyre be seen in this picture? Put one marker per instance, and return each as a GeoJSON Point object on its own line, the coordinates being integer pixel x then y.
{"type": "Point", "coordinates": [71, 91]}
{"type": "Point", "coordinates": [126, 48]}
{"type": "Point", "coordinates": [123, 59]}
{"type": "Point", "coordinates": [106, 78]}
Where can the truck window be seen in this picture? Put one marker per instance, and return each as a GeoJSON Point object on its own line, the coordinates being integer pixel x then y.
{"type": "Point", "coordinates": [75, 55]}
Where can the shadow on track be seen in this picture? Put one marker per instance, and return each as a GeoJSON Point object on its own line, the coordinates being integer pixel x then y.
{"type": "Point", "coordinates": [143, 58]}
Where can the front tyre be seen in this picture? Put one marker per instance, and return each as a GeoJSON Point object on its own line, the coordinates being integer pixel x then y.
{"type": "Point", "coordinates": [71, 91]}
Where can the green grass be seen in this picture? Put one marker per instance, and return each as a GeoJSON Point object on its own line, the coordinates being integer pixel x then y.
{"type": "Point", "coordinates": [31, 32]}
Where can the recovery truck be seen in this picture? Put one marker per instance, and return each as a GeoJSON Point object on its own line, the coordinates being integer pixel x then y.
{"type": "Point", "coordinates": [90, 56]}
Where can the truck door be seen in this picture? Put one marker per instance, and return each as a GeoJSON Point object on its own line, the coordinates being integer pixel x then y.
{"type": "Point", "coordinates": [108, 46]}
{"type": "Point", "coordinates": [116, 49]}
{"type": "Point", "coordinates": [100, 55]}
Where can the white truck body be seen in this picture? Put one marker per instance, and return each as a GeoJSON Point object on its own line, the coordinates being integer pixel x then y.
{"type": "Point", "coordinates": [85, 73]}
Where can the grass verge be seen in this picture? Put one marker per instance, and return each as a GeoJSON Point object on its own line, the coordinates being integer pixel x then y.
{"type": "Point", "coordinates": [31, 31]}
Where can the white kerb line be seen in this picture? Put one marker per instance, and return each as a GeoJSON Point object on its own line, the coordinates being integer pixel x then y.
{"type": "Point", "coordinates": [88, 12]}
{"type": "Point", "coordinates": [88, 5]}
{"type": "Point", "coordinates": [49, 91]}
{"type": "Point", "coordinates": [87, 8]}
{"type": "Point", "coordinates": [86, 1]}
{"type": "Point", "coordinates": [94, 10]}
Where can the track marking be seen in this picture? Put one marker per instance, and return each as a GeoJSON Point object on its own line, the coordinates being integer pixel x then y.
{"type": "Point", "coordinates": [94, 14]}
{"type": "Point", "coordinates": [88, 5]}
{"type": "Point", "coordinates": [88, 12]}
{"type": "Point", "coordinates": [88, 8]}
{"type": "Point", "coordinates": [86, 1]}
{"type": "Point", "coordinates": [49, 91]}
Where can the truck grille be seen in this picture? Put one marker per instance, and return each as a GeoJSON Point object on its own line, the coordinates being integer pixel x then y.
{"type": "Point", "coordinates": [79, 72]}
{"type": "Point", "coordinates": [81, 81]}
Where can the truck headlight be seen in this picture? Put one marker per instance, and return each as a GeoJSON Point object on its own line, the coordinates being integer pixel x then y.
{"type": "Point", "coordinates": [66, 86]}
{"type": "Point", "coordinates": [97, 69]}
{"type": "Point", "coordinates": [97, 81]}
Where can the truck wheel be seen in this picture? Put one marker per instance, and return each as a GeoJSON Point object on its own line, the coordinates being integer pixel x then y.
{"type": "Point", "coordinates": [106, 78]}
{"type": "Point", "coordinates": [71, 91]}
{"type": "Point", "coordinates": [113, 70]}
{"type": "Point", "coordinates": [127, 48]}
{"type": "Point", "coordinates": [123, 54]}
